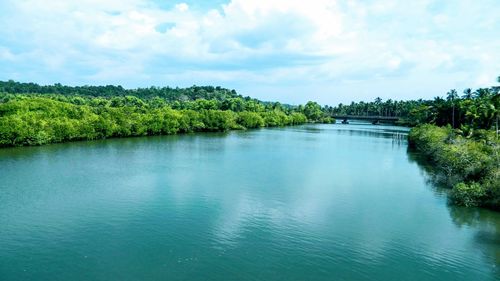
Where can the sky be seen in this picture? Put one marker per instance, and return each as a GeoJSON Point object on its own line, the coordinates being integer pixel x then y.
{"type": "Point", "coordinates": [279, 50]}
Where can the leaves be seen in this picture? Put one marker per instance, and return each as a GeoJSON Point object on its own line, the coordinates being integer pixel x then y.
{"type": "Point", "coordinates": [37, 120]}
{"type": "Point", "coordinates": [471, 166]}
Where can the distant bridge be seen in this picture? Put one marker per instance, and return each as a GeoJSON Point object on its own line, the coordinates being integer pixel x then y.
{"type": "Point", "coordinates": [374, 119]}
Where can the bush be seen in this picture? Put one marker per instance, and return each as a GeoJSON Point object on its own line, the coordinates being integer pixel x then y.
{"type": "Point", "coordinates": [250, 120]}
{"type": "Point", "coordinates": [327, 120]}
{"type": "Point", "coordinates": [471, 166]}
{"type": "Point", "coordinates": [468, 195]}
{"type": "Point", "coordinates": [36, 119]}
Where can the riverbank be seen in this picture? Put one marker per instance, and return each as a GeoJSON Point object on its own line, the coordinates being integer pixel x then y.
{"type": "Point", "coordinates": [470, 166]}
{"type": "Point", "coordinates": [36, 120]}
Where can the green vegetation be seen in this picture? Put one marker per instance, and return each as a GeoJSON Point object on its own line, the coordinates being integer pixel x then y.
{"type": "Point", "coordinates": [34, 115]}
{"type": "Point", "coordinates": [459, 136]}
{"type": "Point", "coordinates": [475, 109]}
{"type": "Point", "coordinates": [166, 93]}
{"type": "Point", "coordinates": [470, 165]}
{"type": "Point", "coordinates": [388, 108]}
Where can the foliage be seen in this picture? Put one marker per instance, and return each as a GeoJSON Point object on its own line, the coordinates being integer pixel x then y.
{"type": "Point", "coordinates": [312, 111]}
{"type": "Point", "coordinates": [36, 119]}
{"type": "Point", "coordinates": [468, 195]}
{"type": "Point", "coordinates": [474, 110]}
{"type": "Point", "coordinates": [470, 165]}
{"type": "Point", "coordinates": [250, 120]}
{"type": "Point", "coordinates": [166, 93]}
{"type": "Point", "coordinates": [458, 134]}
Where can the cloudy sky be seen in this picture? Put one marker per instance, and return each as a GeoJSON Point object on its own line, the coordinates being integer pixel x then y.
{"type": "Point", "coordinates": [287, 50]}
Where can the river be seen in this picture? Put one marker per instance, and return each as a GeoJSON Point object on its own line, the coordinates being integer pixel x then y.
{"type": "Point", "coordinates": [312, 202]}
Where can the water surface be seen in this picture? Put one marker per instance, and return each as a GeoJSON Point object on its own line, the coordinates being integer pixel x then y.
{"type": "Point", "coordinates": [313, 202]}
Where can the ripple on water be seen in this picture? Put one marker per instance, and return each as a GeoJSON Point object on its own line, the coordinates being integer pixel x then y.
{"type": "Point", "coordinates": [315, 202]}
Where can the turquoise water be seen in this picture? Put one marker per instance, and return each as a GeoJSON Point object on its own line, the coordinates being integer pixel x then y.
{"type": "Point", "coordinates": [314, 202]}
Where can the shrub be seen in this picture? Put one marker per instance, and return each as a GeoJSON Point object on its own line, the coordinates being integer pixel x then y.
{"type": "Point", "coordinates": [468, 195]}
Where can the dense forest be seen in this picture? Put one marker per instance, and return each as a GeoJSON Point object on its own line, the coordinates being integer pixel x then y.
{"type": "Point", "coordinates": [166, 93]}
{"type": "Point", "coordinates": [459, 136]}
{"type": "Point", "coordinates": [474, 109]}
{"type": "Point", "coordinates": [62, 113]}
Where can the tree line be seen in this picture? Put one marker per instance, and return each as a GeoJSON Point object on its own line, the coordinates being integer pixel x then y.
{"type": "Point", "coordinates": [166, 93]}
{"type": "Point", "coordinates": [28, 118]}
{"type": "Point", "coordinates": [472, 110]}
{"type": "Point", "coordinates": [459, 136]}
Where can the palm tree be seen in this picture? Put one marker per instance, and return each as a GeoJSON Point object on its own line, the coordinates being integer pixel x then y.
{"type": "Point", "coordinates": [467, 94]}
{"type": "Point", "coordinates": [378, 103]}
{"type": "Point", "coordinates": [451, 96]}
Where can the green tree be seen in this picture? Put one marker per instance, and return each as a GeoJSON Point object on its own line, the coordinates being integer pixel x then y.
{"type": "Point", "coordinates": [312, 111]}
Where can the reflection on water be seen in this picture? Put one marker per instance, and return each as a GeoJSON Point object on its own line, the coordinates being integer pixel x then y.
{"type": "Point", "coordinates": [434, 179]}
{"type": "Point", "coordinates": [311, 202]}
{"type": "Point", "coordinates": [484, 223]}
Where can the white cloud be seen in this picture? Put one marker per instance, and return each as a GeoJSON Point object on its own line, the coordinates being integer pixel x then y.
{"type": "Point", "coordinates": [6, 54]}
{"type": "Point", "coordinates": [275, 42]}
{"type": "Point", "coordinates": [182, 7]}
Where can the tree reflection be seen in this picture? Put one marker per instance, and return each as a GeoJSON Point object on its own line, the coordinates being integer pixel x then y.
{"type": "Point", "coordinates": [485, 223]}
{"type": "Point", "coordinates": [487, 226]}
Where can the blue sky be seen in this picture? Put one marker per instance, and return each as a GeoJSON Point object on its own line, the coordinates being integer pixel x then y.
{"type": "Point", "coordinates": [286, 50]}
